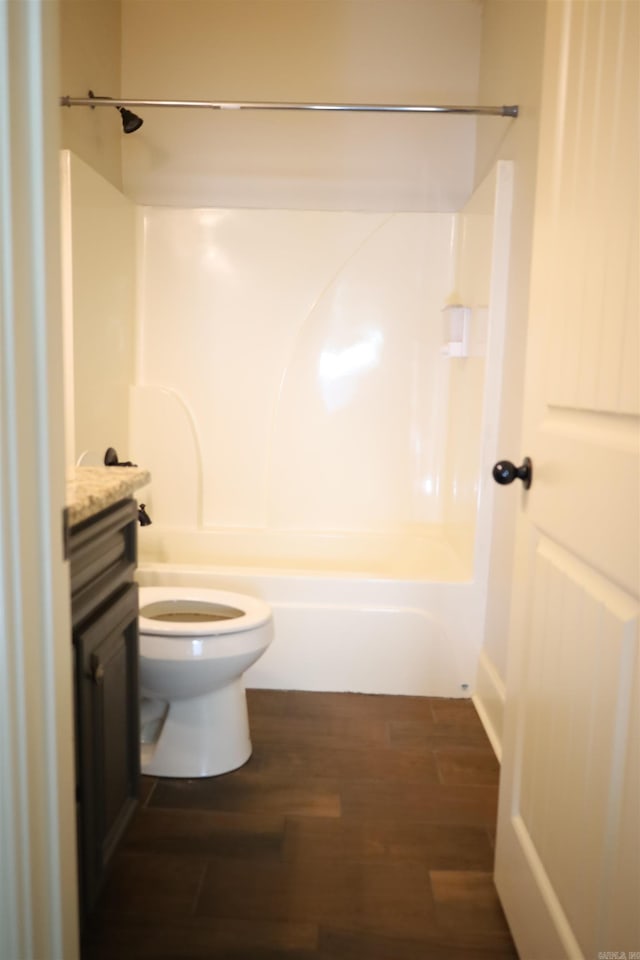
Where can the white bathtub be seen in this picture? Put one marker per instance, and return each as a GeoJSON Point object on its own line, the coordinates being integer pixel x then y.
{"type": "Point", "coordinates": [368, 613]}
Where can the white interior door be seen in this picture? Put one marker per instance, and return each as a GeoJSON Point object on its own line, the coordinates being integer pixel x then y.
{"type": "Point", "coordinates": [567, 864]}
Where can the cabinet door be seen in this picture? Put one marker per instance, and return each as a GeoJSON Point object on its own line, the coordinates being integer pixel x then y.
{"type": "Point", "coordinates": [108, 734]}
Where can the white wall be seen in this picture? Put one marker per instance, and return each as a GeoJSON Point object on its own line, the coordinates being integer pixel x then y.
{"type": "Point", "coordinates": [511, 60]}
{"type": "Point", "coordinates": [99, 266]}
{"type": "Point", "coordinates": [317, 50]}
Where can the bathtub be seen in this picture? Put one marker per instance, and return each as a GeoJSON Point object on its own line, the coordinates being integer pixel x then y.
{"type": "Point", "coordinates": [368, 613]}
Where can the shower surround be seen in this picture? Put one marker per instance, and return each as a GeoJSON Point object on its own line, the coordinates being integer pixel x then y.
{"type": "Point", "coordinates": [312, 437]}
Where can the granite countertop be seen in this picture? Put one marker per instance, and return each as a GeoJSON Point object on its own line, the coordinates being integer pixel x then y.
{"type": "Point", "coordinates": [92, 489]}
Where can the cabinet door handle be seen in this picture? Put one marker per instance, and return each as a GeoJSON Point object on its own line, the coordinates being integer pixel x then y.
{"type": "Point", "coordinates": [97, 671]}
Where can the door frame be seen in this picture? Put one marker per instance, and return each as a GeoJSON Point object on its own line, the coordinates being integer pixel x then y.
{"type": "Point", "coordinates": [38, 881]}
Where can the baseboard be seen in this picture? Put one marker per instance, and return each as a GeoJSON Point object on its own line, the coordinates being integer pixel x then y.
{"type": "Point", "coordinates": [489, 699]}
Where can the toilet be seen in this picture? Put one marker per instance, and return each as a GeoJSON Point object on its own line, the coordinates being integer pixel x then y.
{"type": "Point", "coordinates": [195, 646]}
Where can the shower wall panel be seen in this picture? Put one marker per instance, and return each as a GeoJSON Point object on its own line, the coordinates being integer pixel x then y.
{"type": "Point", "coordinates": [474, 265]}
{"type": "Point", "coordinates": [304, 350]}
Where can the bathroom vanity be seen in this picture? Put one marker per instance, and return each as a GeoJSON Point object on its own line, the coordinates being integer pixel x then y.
{"type": "Point", "coordinates": [102, 520]}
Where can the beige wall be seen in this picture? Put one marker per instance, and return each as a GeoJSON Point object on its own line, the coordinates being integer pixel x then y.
{"type": "Point", "coordinates": [90, 60]}
{"type": "Point", "coordinates": [99, 269]}
{"type": "Point", "coordinates": [361, 50]}
{"type": "Point", "coordinates": [510, 70]}
{"type": "Point", "coordinates": [369, 51]}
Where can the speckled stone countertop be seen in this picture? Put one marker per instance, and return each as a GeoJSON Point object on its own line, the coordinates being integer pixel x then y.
{"type": "Point", "coordinates": [92, 489]}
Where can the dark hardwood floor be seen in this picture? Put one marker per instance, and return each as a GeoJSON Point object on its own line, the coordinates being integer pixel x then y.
{"type": "Point", "coordinates": [362, 828]}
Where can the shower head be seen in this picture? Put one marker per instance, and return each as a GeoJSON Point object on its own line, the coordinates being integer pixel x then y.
{"type": "Point", "coordinates": [130, 121]}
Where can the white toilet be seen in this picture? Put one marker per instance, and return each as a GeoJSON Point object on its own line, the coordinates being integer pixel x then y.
{"type": "Point", "coordinates": [195, 646]}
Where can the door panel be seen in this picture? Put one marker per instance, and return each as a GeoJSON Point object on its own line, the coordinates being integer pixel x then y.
{"type": "Point", "coordinates": [588, 164]}
{"type": "Point", "coordinates": [587, 479]}
{"type": "Point", "coordinates": [578, 686]}
{"type": "Point", "coordinates": [568, 835]}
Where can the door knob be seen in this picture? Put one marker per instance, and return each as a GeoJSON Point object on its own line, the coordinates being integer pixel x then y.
{"type": "Point", "coordinates": [506, 472]}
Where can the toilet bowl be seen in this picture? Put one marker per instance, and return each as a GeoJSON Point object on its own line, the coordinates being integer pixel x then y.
{"type": "Point", "coordinates": [195, 646]}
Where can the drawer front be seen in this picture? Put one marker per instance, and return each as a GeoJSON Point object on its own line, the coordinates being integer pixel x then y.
{"type": "Point", "coordinates": [102, 555]}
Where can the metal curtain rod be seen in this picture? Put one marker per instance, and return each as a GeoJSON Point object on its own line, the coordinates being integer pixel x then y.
{"type": "Point", "coordinates": [505, 111]}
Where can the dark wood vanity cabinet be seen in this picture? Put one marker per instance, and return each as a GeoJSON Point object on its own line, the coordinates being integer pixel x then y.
{"type": "Point", "coordinates": [104, 605]}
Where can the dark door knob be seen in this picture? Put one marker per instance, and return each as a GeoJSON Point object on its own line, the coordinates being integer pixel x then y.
{"type": "Point", "coordinates": [506, 472]}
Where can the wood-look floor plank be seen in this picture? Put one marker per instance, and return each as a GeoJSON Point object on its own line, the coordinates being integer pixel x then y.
{"type": "Point", "coordinates": [267, 702]}
{"type": "Point", "coordinates": [364, 762]}
{"type": "Point", "coordinates": [248, 792]}
{"type": "Point", "coordinates": [457, 713]}
{"type": "Point", "coordinates": [362, 828]}
{"type": "Point", "coordinates": [468, 910]}
{"type": "Point", "coordinates": [371, 706]}
{"type": "Point", "coordinates": [435, 803]}
{"type": "Point", "coordinates": [462, 765]}
{"type": "Point", "coordinates": [335, 732]}
{"type": "Point", "coordinates": [127, 938]}
{"type": "Point", "coordinates": [153, 884]}
{"type": "Point", "coordinates": [425, 736]}
{"type": "Point", "coordinates": [336, 944]}
{"type": "Point", "coordinates": [206, 833]}
{"type": "Point", "coordinates": [389, 898]}
{"type": "Point", "coordinates": [437, 846]}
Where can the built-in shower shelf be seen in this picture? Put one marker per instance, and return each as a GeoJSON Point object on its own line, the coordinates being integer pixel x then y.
{"type": "Point", "coordinates": [456, 323]}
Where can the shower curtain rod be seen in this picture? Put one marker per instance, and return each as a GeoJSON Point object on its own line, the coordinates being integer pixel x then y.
{"type": "Point", "coordinates": [504, 111]}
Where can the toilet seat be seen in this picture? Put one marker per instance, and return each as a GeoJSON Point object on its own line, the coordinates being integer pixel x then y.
{"type": "Point", "coordinates": [247, 612]}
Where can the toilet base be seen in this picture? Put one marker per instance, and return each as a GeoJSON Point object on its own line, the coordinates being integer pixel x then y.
{"type": "Point", "coordinates": [203, 736]}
